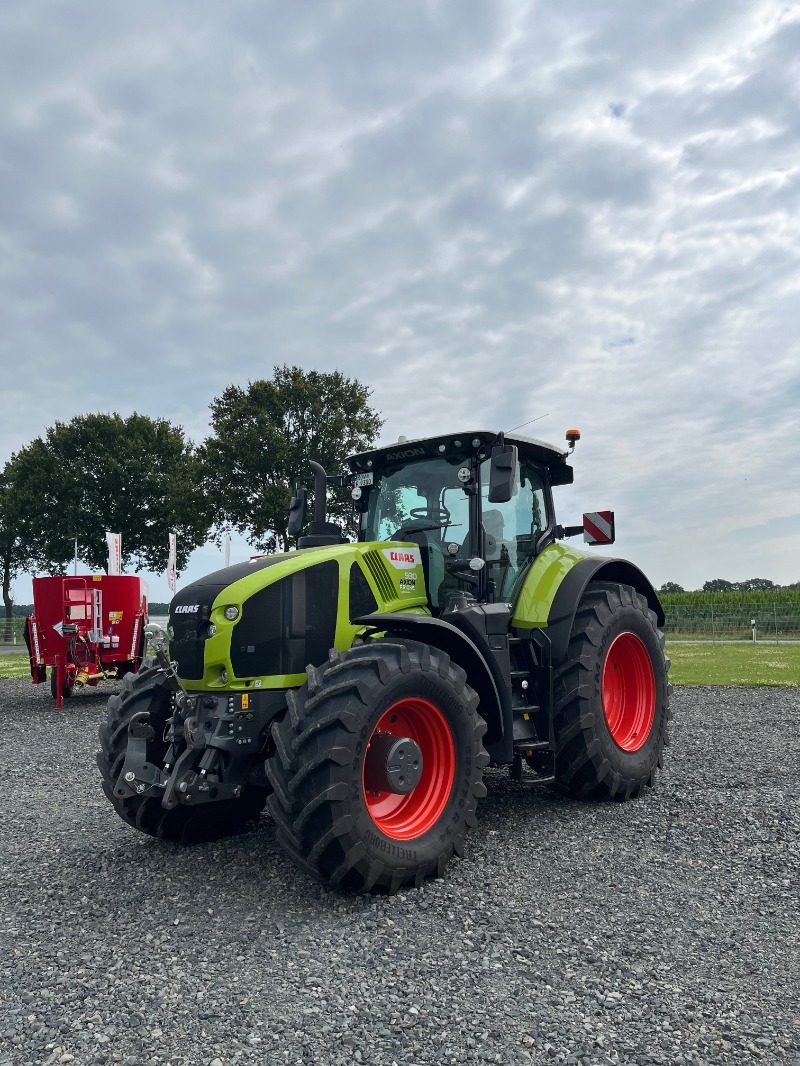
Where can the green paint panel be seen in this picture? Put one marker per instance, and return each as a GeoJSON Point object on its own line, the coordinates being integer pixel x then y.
{"type": "Point", "coordinates": [393, 571]}
{"type": "Point", "coordinates": [544, 578]}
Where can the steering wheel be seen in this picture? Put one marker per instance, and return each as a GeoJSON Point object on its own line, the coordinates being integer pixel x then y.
{"type": "Point", "coordinates": [433, 514]}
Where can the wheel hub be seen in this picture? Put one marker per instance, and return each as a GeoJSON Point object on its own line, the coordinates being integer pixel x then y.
{"type": "Point", "coordinates": [415, 727]}
{"type": "Point", "coordinates": [392, 764]}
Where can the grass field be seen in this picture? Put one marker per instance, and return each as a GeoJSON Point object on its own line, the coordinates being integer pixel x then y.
{"type": "Point", "coordinates": [762, 665]}
{"type": "Point", "coordinates": [15, 666]}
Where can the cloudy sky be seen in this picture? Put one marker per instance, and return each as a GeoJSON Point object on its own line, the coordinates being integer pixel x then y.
{"type": "Point", "coordinates": [489, 212]}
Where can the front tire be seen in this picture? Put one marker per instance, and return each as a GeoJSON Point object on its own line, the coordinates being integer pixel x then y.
{"type": "Point", "coordinates": [146, 690]}
{"type": "Point", "coordinates": [611, 696]}
{"type": "Point", "coordinates": [349, 816]}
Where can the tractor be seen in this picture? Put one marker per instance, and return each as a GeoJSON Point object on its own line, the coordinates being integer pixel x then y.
{"type": "Point", "coordinates": [358, 689]}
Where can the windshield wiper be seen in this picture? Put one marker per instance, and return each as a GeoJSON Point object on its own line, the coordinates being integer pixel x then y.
{"type": "Point", "coordinates": [428, 529]}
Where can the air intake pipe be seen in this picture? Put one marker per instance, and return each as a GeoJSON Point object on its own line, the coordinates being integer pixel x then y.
{"type": "Point", "coordinates": [320, 531]}
{"type": "Point", "coordinates": [320, 492]}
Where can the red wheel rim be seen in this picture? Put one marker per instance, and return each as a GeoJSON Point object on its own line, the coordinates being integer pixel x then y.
{"type": "Point", "coordinates": [629, 692]}
{"type": "Point", "coordinates": [409, 816]}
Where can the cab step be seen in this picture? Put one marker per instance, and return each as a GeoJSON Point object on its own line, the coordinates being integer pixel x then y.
{"type": "Point", "coordinates": [528, 747]}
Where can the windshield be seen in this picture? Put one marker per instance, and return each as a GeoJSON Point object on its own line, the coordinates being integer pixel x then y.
{"type": "Point", "coordinates": [422, 492]}
{"type": "Point", "coordinates": [424, 501]}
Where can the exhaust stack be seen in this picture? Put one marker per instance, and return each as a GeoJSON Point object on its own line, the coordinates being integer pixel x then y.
{"type": "Point", "coordinates": [320, 530]}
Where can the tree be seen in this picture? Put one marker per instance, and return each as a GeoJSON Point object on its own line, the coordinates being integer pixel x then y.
{"type": "Point", "coordinates": [264, 437]}
{"type": "Point", "coordinates": [136, 476]}
{"type": "Point", "coordinates": [756, 584]}
{"type": "Point", "coordinates": [719, 584]}
{"type": "Point", "coordinates": [12, 541]}
{"type": "Point", "coordinates": [671, 586]}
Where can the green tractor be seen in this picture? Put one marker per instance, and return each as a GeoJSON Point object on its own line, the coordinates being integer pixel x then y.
{"type": "Point", "coordinates": [360, 689]}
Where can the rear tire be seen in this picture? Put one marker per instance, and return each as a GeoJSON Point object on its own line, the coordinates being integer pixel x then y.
{"type": "Point", "coordinates": [146, 690]}
{"type": "Point", "coordinates": [611, 696]}
{"type": "Point", "coordinates": [331, 818]}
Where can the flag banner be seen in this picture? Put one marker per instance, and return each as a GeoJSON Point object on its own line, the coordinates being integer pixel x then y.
{"type": "Point", "coordinates": [171, 564]}
{"type": "Point", "coordinates": [114, 542]}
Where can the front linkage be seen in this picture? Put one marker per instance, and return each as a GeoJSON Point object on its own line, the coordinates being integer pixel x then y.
{"type": "Point", "coordinates": [166, 748]}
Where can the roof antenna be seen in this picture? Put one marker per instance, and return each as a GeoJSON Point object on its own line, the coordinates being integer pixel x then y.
{"type": "Point", "coordinates": [527, 423]}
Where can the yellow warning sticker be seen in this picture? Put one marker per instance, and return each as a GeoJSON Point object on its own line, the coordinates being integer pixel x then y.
{"type": "Point", "coordinates": [245, 700]}
{"type": "Point", "coordinates": [115, 617]}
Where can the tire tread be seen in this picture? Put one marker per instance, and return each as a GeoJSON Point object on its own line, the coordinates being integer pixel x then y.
{"type": "Point", "coordinates": [311, 753]}
{"type": "Point", "coordinates": [582, 765]}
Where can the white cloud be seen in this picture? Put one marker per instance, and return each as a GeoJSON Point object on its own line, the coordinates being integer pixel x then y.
{"type": "Point", "coordinates": [176, 244]}
{"type": "Point", "coordinates": [486, 212]}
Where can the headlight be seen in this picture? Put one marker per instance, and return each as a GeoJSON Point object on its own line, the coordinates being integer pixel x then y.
{"type": "Point", "coordinates": [211, 629]}
{"type": "Point", "coordinates": [223, 676]}
{"type": "Point", "coordinates": [231, 613]}
{"type": "Point", "coordinates": [170, 633]}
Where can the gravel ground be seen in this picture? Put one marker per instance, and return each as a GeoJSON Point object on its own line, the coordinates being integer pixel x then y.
{"type": "Point", "coordinates": [660, 931]}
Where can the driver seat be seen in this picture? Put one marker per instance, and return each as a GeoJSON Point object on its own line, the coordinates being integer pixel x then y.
{"type": "Point", "coordinates": [494, 528]}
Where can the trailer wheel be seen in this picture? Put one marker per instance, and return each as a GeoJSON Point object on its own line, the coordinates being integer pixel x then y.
{"type": "Point", "coordinates": [146, 690]}
{"type": "Point", "coordinates": [611, 700]}
{"type": "Point", "coordinates": [66, 688]}
{"type": "Point", "coordinates": [377, 767]}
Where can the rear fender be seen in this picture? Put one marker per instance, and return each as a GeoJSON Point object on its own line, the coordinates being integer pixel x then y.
{"type": "Point", "coordinates": [565, 603]}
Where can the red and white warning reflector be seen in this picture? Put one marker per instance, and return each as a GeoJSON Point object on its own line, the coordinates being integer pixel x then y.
{"type": "Point", "coordinates": [598, 527]}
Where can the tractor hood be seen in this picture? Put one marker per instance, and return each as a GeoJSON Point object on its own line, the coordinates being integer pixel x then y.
{"type": "Point", "coordinates": [260, 624]}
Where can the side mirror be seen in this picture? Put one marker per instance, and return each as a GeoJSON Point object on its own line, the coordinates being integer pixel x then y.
{"type": "Point", "coordinates": [598, 527]}
{"type": "Point", "coordinates": [297, 512]}
{"type": "Point", "coordinates": [503, 473]}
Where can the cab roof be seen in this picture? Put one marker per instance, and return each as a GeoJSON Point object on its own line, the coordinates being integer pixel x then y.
{"type": "Point", "coordinates": [538, 451]}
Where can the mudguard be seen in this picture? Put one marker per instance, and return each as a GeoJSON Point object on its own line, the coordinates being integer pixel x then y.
{"type": "Point", "coordinates": [555, 584]}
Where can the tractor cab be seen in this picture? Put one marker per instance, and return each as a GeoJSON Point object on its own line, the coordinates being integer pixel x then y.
{"type": "Point", "coordinates": [478, 504]}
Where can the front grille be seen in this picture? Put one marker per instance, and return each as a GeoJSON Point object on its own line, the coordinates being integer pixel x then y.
{"type": "Point", "coordinates": [377, 568]}
{"type": "Point", "coordinates": [186, 645]}
{"type": "Point", "coordinates": [288, 624]}
{"type": "Point", "coordinates": [362, 598]}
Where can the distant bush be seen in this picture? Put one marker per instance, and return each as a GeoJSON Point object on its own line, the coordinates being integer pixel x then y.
{"type": "Point", "coordinates": [734, 598]}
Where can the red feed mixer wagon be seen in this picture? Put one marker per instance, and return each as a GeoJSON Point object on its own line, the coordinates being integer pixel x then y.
{"type": "Point", "coordinates": [88, 628]}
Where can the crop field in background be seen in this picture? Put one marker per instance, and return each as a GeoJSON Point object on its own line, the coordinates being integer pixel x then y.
{"type": "Point", "coordinates": [11, 632]}
{"type": "Point", "coordinates": [729, 615]}
{"type": "Point", "coordinates": [763, 665]}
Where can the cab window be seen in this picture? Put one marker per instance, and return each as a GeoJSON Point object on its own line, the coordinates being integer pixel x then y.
{"type": "Point", "coordinates": [512, 529]}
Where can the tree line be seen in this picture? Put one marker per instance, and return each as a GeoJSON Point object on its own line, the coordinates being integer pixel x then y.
{"type": "Point", "coordinates": [719, 584]}
{"type": "Point", "coordinates": [141, 477]}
